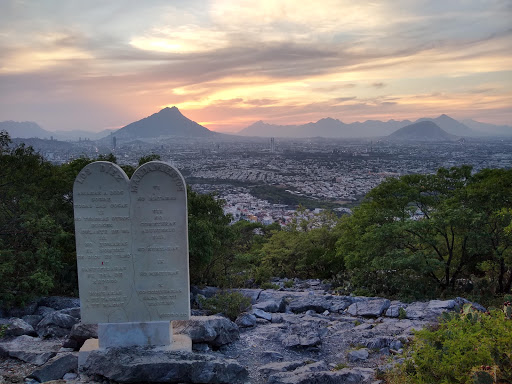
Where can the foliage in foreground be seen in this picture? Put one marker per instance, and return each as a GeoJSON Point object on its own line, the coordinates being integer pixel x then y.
{"type": "Point", "coordinates": [420, 236]}
{"type": "Point", "coordinates": [470, 347]}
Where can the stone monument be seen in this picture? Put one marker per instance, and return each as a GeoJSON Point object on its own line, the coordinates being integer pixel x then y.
{"type": "Point", "coordinates": [132, 253]}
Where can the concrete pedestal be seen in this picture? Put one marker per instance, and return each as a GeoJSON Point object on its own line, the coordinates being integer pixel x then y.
{"type": "Point", "coordinates": [150, 334]}
{"type": "Point", "coordinates": [155, 335]}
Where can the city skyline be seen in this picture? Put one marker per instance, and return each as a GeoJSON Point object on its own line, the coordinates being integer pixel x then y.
{"type": "Point", "coordinates": [226, 64]}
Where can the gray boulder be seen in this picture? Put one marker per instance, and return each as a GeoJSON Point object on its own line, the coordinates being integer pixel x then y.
{"type": "Point", "coordinates": [271, 306]}
{"type": "Point", "coordinates": [56, 324]}
{"type": "Point", "coordinates": [33, 320]}
{"type": "Point", "coordinates": [79, 334]}
{"type": "Point", "coordinates": [246, 320]}
{"type": "Point", "coordinates": [416, 310]}
{"type": "Point", "coordinates": [17, 327]}
{"type": "Point", "coordinates": [284, 366]}
{"type": "Point", "coordinates": [343, 376]}
{"type": "Point", "coordinates": [262, 314]}
{"type": "Point", "coordinates": [213, 330]}
{"type": "Point", "coordinates": [394, 309]}
{"type": "Point", "coordinates": [378, 343]}
{"type": "Point", "coordinates": [316, 303]}
{"type": "Point", "coordinates": [30, 349]}
{"type": "Point", "coordinates": [358, 355]}
{"type": "Point", "coordinates": [440, 305]}
{"type": "Point", "coordinates": [369, 308]}
{"type": "Point", "coordinates": [460, 301]}
{"type": "Point", "coordinates": [271, 356]}
{"type": "Point", "coordinates": [129, 365]}
{"type": "Point", "coordinates": [73, 312]}
{"type": "Point", "coordinates": [56, 368]}
{"type": "Point", "coordinates": [310, 339]}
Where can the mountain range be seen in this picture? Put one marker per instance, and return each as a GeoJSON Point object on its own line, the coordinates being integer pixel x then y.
{"type": "Point", "coordinates": [371, 128]}
{"type": "Point", "coordinates": [29, 129]}
{"type": "Point", "coordinates": [170, 122]}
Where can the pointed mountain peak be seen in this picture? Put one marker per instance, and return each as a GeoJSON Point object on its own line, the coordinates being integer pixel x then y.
{"type": "Point", "coordinates": [173, 109]}
{"type": "Point", "coordinates": [445, 117]}
{"type": "Point", "coordinates": [166, 122]}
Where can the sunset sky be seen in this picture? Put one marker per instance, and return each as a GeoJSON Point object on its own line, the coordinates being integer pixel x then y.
{"type": "Point", "coordinates": [95, 64]}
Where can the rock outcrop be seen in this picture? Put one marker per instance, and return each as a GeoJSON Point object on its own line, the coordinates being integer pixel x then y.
{"type": "Point", "coordinates": [289, 336]}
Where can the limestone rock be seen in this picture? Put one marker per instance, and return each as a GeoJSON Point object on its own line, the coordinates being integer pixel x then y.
{"type": "Point", "coordinates": [262, 314]}
{"type": "Point", "coordinates": [271, 356]}
{"type": "Point", "coordinates": [316, 303]}
{"type": "Point", "coordinates": [369, 308]}
{"type": "Point", "coordinates": [73, 312]}
{"type": "Point", "coordinates": [246, 320]}
{"type": "Point", "coordinates": [56, 368]}
{"type": "Point", "coordinates": [30, 349]}
{"type": "Point", "coordinates": [17, 327]}
{"type": "Point", "coordinates": [79, 334]}
{"type": "Point", "coordinates": [56, 324]}
{"type": "Point", "coordinates": [394, 309]}
{"type": "Point", "coordinates": [343, 376]}
{"type": "Point", "coordinates": [357, 355]}
{"type": "Point", "coordinates": [135, 364]}
{"type": "Point", "coordinates": [33, 320]}
{"type": "Point", "coordinates": [214, 330]}
{"type": "Point", "coordinates": [271, 306]}
{"type": "Point", "coordinates": [284, 366]}
{"type": "Point", "coordinates": [378, 342]}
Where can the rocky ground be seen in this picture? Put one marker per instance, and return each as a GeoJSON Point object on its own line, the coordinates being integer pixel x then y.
{"type": "Point", "coordinates": [298, 335]}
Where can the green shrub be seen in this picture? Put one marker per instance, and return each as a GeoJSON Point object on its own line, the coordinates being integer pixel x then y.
{"type": "Point", "coordinates": [268, 285]}
{"type": "Point", "coordinates": [402, 314]}
{"type": "Point", "coordinates": [463, 348]}
{"type": "Point", "coordinates": [228, 303]}
{"type": "Point", "coordinates": [3, 329]}
{"type": "Point", "coordinates": [288, 284]}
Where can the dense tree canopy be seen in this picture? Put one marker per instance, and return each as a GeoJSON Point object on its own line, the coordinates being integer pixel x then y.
{"type": "Point", "coordinates": [421, 235]}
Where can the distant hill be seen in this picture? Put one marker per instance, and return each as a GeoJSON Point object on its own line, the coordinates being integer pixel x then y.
{"type": "Point", "coordinates": [327, 127]}
{"type": "Point", "coordinates": [421, 131]}
{"type": "Point", "coordinates": [450, 125]}
{"type": "Point", "coordinates": [80, 134]}
{"type": "Point", "coordinates": [167, 122]}
{"type": "Point", "coordinates": [24, 129]}
{"type": "Point", "coordinates": [488, 129]}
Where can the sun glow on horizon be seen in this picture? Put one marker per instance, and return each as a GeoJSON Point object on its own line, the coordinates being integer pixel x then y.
{"type": "Point", "coordinates": [229, 63]}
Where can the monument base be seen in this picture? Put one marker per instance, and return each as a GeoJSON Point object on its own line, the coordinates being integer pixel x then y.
{"type": "Point", "coordinates": [154, 335]}
{"type": "Point", "coordinates": [149, 334]}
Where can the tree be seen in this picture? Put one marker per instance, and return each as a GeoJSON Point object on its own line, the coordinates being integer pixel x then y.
{"type": "Point", "coordinates": [306, 249]}
{"type": "Point", "coordinates": [489, 193]}
{"type": "Point", "coordinates": [148, 158]}
{"type": "Point", "coordinates": [417, 233]}
{"type": "Point", "coordinates": [35, 243]}
{"type": "Point", "coordinates": [210, 237]}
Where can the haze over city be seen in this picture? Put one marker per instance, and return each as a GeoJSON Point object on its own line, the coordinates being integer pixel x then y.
{"type": "Point", "coordinates": [93, 65]}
